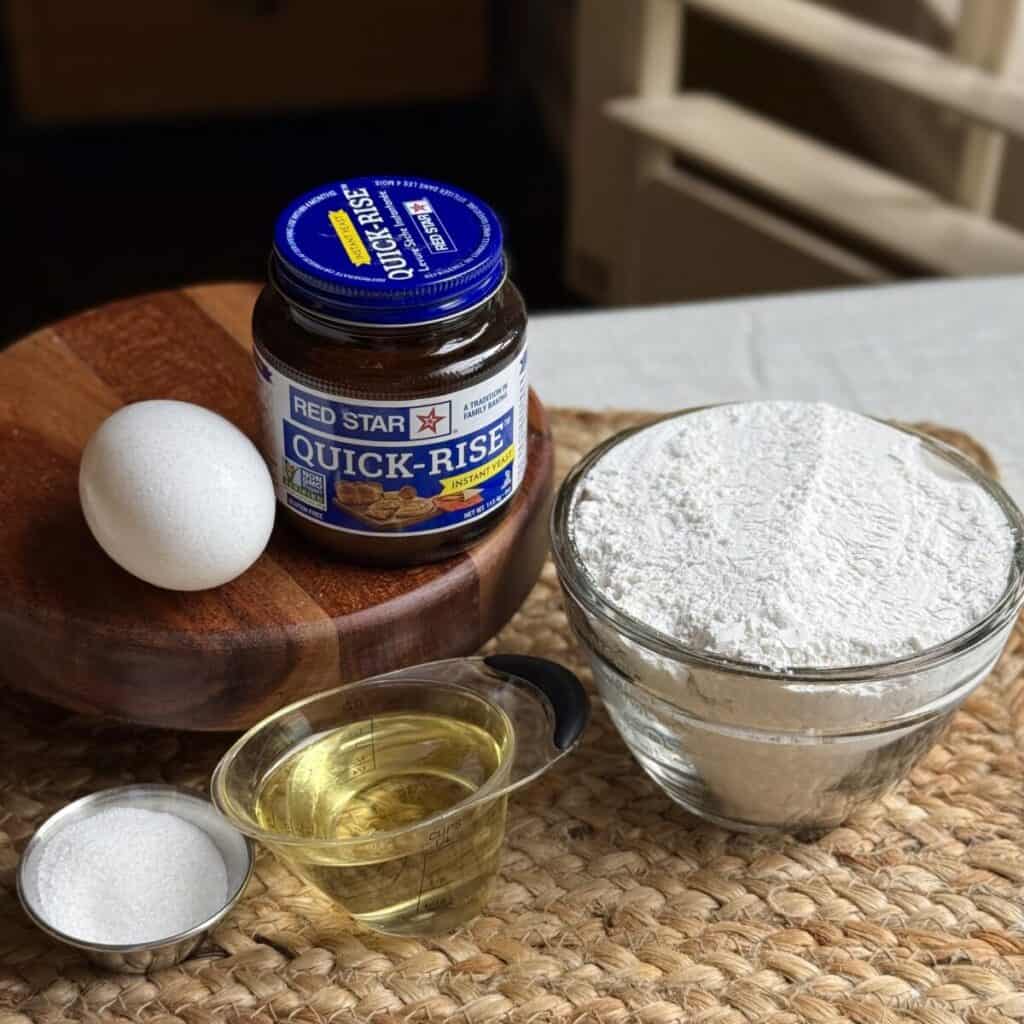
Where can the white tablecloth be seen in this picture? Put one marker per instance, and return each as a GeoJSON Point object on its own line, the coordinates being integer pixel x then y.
{"type": "Point", "coordinates": [947, 351]}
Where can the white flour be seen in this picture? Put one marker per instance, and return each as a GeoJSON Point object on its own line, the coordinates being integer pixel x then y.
{"type": "Point", "coordinates": [791, 534]}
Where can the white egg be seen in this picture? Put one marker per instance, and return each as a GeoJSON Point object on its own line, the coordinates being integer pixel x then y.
{"type": "Point", "coordinates": [176, 495]}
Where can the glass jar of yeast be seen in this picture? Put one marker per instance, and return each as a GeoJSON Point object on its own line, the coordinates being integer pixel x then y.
{"type": "Point", "coordinates": [390, 348]}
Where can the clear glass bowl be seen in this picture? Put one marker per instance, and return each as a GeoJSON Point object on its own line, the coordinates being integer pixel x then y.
{"type": "Point", "coordinates": [826, 740]}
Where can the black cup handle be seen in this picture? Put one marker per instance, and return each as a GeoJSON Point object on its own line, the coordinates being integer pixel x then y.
{"type": "Point", "coordinates": [569, 700]}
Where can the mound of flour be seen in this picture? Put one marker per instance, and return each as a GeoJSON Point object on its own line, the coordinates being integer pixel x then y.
{"type": "Point", "coordinates": [791, 534]}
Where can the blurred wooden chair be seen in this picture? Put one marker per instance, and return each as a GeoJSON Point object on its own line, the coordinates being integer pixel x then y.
{"type": "Point", "coordinates": [678, 194]}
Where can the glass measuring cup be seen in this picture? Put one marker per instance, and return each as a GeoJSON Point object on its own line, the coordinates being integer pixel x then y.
{"type": "Point", "coordinates": [389, 795]}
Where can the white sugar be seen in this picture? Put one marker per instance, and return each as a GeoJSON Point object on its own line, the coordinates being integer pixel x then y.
{"type": "Point", "coordinates": [791, 534]}
{"type": "Point", "coordinates": [127, 876]}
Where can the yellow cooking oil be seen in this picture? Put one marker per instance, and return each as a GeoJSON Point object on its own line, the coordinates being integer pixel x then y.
{"type": "Point", "coordinates": [369, 784]}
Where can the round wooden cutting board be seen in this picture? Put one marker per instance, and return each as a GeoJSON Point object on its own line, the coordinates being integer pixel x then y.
{"type": "Point", "coordinates": [78, 630]}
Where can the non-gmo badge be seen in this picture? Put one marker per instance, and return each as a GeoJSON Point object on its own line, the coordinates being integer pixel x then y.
{"type": "Point", "coordinates": [306, 484]}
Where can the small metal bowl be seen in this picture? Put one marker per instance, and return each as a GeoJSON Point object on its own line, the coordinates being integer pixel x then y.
{"type": "Point", "coordinates": [238, 853]}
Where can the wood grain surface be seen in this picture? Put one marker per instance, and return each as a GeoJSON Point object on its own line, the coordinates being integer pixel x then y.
{"type": "Point", "coordinates": [78, 630]}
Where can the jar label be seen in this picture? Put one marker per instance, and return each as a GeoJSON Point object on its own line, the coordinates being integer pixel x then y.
{"type": "Point", "coordinates": [379, 467]}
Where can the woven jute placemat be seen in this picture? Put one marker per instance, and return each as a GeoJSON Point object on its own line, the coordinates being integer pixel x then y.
{"type": "Point", "coordinates": [613, 904]}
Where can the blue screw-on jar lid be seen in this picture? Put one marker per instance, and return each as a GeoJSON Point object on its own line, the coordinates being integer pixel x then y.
{"type": "Point", "coordinates": [388, 250]}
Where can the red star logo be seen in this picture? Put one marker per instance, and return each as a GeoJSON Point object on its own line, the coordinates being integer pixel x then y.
{"type": "Point", "coordinates": [430, 421]}
{"type": "Point", "coordinates": [418, 207]}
